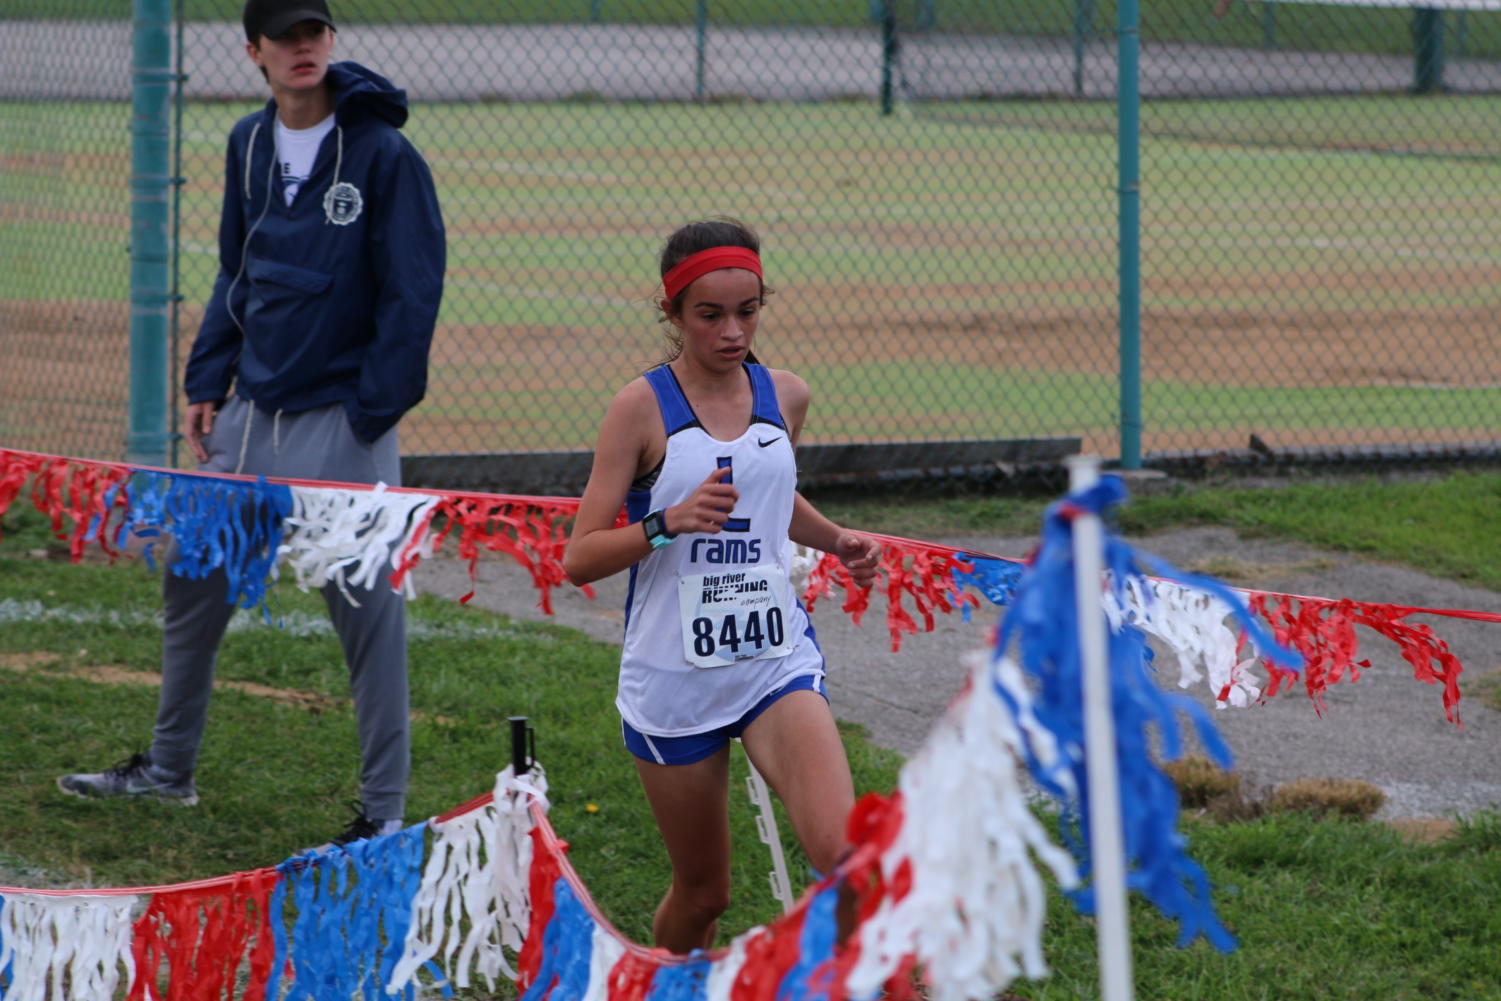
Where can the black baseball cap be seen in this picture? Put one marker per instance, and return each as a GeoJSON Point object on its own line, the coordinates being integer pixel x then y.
{"type": "Point", "coordinates": [272, 18]}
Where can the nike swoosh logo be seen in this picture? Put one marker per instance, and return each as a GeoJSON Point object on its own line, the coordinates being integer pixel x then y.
{"type": "Point", "coordinates": [769, 441]}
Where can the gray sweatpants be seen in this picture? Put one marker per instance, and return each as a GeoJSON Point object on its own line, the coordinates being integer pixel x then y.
{"type": "Point", "coordinates": [313, 445]}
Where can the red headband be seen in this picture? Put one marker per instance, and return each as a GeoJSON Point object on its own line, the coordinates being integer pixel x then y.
{"type": "Point", "coordinates": [695, 266]}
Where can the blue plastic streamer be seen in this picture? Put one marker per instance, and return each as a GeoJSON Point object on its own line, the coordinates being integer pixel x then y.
{"type": "Point", "coordinates": [354, 906]}
{"type": "Point", "coordinates": [233, 525]}
{"type": "Point", "coordinates": [319, 963]}
{"type": "Point", "coordinates": [681, 981]}
{"type": "Point", "coordinates": [815, 947]}
{"type": "Point", "coordinates": [567, 949]}
{"type": "Point", "coordinates": [7, 974]}
{"type": "Point", "coordinates": [995, 579]}
{"type": "Point", "coordinates": [148, 530]}
{"type": "Point", "coordinates": [1043, 622]}
{"type": "Point", "coordinates": [278, 918]}
{"type": "Point", "coordinates": [440, 977]}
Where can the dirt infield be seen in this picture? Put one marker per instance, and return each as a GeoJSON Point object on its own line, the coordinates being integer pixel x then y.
{"type": "Point", "coordinates": [64, 386]}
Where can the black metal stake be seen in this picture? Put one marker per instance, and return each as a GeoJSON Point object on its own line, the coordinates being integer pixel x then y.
{"type": "Point", "coordinates": [521, 761]}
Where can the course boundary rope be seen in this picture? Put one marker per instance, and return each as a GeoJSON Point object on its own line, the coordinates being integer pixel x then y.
{"type": "Point", "coordinates": [356, 535]}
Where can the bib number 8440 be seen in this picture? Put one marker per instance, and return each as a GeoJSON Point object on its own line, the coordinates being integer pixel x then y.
{"type": "Point", "coordinates": [734, 615]}
{"type": "Point", "coordinates": [754, 632]}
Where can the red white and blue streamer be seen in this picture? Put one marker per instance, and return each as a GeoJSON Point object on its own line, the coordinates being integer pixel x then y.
{"type": "Point", "coordinates": [357, 536]}
{"type": "Point", "coordinates": [1043, 625]}
{"type": "Point", "coordinates": [947, 875]}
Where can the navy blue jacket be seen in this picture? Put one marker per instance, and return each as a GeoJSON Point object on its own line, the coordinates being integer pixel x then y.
{"type": "Point", "coordinates": [332, 299]}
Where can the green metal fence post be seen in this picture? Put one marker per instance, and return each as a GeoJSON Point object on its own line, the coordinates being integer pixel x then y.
{"type": "Point", "coordinates": [174, 433]}
{"type": "Point", "coordinates": [888, 56]}
{"type": "Point", "coordinates": [1128, 139]}
{"type": "Point", "coordinates": [150, 188]}
{"type": "Point", "coordinates": [1083, 19]}
{"type": "Point", "coordinates": [1427, 50]}
{"type": "Point", "coordinates": [701, 26]}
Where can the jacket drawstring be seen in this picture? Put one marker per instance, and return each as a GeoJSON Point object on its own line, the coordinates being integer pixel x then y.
{"type": "Point", "coordinates": [245, 436]}
{"type": "Point", "coordinates": [338, 162]}
{"type": "Point", "coordinates": [249, 156]}
{"type": "Point", "coordinates": [245, 246]}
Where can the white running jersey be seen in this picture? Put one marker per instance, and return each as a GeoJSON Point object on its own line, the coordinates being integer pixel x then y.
{"type": "Point", "coordinates": [712, 625]}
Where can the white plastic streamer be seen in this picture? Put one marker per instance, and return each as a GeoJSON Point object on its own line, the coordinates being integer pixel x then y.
{"type": "Point", "coordinates": [1191, 623]}
{"type": "Point", "coordinates": [66, 946]}
{"type": "Point", "coordinates": [804, 559]}
{"type": "Point", "coordinates": [974, 914]}
{"type": "Point", "coordinates": [354, 538]}
{"type": "Point", "coordinates": [474, 899]}
{"type": "Point", "coordinates": [721, 979]}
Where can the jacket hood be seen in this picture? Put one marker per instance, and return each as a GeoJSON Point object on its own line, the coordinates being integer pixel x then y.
{"type": "Point", "coordinates": [358, 89]}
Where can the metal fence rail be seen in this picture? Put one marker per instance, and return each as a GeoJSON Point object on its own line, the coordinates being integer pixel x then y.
{"type": "Point", "coordinates": [1319, 203]}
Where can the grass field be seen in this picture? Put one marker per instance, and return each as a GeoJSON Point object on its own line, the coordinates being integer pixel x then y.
{"type": "Point", "coordinates": [946, 273]}
{"type": "Point", "coordinates": [1325, 909]}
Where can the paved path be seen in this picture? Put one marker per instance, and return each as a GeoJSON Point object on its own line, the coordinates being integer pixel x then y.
{"type": "Point", "coordinates": [91, 60]}
{"type": "Point", "coordinates": [1386, 729]}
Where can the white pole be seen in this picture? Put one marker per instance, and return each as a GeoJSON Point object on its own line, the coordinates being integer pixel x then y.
{"type": "Point", "coordinates": [1112, 932]}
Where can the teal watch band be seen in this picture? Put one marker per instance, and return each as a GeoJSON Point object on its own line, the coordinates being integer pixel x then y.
{"type": "Point", "coordinates": [655, 526]}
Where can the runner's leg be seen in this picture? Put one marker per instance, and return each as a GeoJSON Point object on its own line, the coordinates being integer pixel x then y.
{"type": "Point", "coordinates": [795, 745]}
{"type": "Point", "coordinates": [691, 804]}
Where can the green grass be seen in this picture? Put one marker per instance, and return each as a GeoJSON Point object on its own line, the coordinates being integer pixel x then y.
{"type": "Point", "coordinates": [1438, 524]}
{"type": "Point", "coordinates": [1394, 920]}
{"type": "Point", "coordinates": [275, 777]}
{"type": "Point", "coordinates": [1325, 910]}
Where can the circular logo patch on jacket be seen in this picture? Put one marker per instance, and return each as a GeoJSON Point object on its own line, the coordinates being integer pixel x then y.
{"type": "Point", "coordinates": [342, 203]}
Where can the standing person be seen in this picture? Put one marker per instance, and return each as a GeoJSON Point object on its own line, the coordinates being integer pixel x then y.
{"type": "Point", "coordinates": [700, 450]}
{"type": "Point", "coordinates": [331, 259]}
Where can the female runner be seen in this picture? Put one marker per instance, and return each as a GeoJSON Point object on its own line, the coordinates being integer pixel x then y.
{"type": "Point", "coordinates": [700, 451]}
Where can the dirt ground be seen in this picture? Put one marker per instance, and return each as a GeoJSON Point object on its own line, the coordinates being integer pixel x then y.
{"type": "Point", "coordinates": [518, 387]}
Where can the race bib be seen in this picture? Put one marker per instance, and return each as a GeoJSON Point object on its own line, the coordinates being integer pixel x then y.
{"type": "Point", "coordinates": [734, 615]}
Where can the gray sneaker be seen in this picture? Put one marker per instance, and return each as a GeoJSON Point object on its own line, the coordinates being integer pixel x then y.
{"type": "Point", "coordinates": [136, 777]}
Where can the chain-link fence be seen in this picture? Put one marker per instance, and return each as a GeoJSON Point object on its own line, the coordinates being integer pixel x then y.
{"type": "Point", "coordinates": [934, 180]}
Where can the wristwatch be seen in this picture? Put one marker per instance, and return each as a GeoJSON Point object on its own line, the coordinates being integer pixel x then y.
{"type": "Point", "coordinates": [655, 525]}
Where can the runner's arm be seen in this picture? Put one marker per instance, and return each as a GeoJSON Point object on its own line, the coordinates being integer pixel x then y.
{"type": "Point", "coordinates": [859, 553]}
{"type": "Point", "coordinates": [598, 548]}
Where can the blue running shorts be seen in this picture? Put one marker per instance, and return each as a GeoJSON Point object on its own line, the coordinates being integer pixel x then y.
{"type": "Point", "coordinates": [697, 746]}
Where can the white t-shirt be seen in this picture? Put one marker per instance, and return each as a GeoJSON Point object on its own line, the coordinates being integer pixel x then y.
{"type": "Point", "coordinates": [296, 149]}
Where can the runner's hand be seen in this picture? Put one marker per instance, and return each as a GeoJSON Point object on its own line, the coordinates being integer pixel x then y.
{"type": "Point", "coordinates": [706, 509]}
{"type": "Point", "coordinates": [861, 556]}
